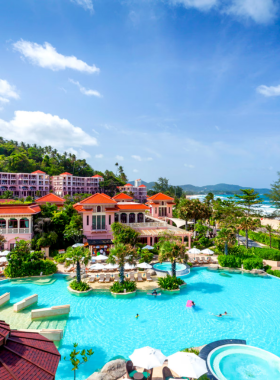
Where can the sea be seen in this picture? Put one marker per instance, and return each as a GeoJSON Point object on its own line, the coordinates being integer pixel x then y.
{"type": "Point", "coordinates": [266, 208]}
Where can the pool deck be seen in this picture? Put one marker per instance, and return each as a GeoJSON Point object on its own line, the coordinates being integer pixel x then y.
{"type": "Point", "coordinates": [145, 285]}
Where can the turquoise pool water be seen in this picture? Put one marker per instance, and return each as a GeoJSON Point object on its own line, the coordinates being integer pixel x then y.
{"type": "Point", "coordinates": [168, 266]}
{"type": "Point", "coordinates": [244, 362]}
{"type": "Point", "coordinates": [109, 326]}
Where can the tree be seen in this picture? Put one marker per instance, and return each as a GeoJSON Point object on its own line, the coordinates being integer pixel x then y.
{"type": "Point", "coordinates": [124, 234]}
{"type": "Point", "coordinates": [2, 240]}
{"type": "Point", "coordinates": [248, 199]}
{"type": "Point", "coordinates": [173, 251]}
{"type": "Point", "coordinates": [226, 238]}
{"type": "Point", "coordinates": [77, 256]}
{"type": "Point", "coordinates": [122, 254]}
{"type": "Point", "coordinates": [193, 209]}
{"type": "Point", "coordinates": [247, 223]}
{"type": "Point", "coordinates": [209, 199]}
{"type": "Point", "coordinates": [47, 239]}
{"type": "Point", "coordinates": [274, 194]}
{"type": "Point", "coordinates": [161, 186]}
{"type": "Point", "coordinates": [76, 363]}
{"type": "Point", "coordinates": [269, 229]}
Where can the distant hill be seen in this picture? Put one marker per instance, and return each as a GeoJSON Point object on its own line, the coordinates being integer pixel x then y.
{"type": "Point", "coordinates": [219, 188]}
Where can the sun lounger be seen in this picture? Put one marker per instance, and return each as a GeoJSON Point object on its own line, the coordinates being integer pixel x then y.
{"type": "Point", "coordinates": [70, 269]}
{"type": "Point", "coordinates": [149, 277]}
{"type": "Point", "coordinates": [148, 374]}
{"type": "Point", "coordinates": [166, 373]}
{"type": "Point", "coordinates": [139, 277]}
{"type": "Point", "coordinates": [101, 278]}
{"type": "Point", "coordinates": [130, 369]}
{"type": "Point", "coordinates": [116, 277]}
{"type": "Point", "coordinates": [108, 277]}
{"type": "Point", "coordinates": [131, 276]}
{"type": "Point", "coordinates": [200, 261]}
{"type": "Point", "coordinates": [91, 279]}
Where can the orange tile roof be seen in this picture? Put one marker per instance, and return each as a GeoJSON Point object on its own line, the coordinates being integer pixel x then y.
{"type": "Point", "coordinates": [79, 208]}
{"type": "Point", "coordinates": [66, 173]}
{"type": "Point", "coordinates": [97, 176]}
{"type": "Point", "coordinates": [132, 206]}
{"type": "Point", "coordinates": [160, 197]}
{"type": "Point", "coordinates": [51, 198]}
{"type": "Point", "coordinates": [105, 195]}
{"type": "Point", "coordinates": [98, 199]}
{"type": "Point", "coordinates": [128, 184]}
{"type": "Point", "coordinates": [19, 209]}
{"type": "Point", "coordinates": [142, 186]}
{"type": "Point", "coordinates": [38, 171]}
{"type": "Point", "coordinates": [122, 196]}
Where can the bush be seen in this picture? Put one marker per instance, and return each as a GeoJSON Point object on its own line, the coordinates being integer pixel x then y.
{"type": "Point", "coordinates": [130, 286]}
{"type": "Point", "coordinates": [230, 261]}
{"type": "Point", "coordinates": [60, 259]}
{"type": "Point", "coordinates": [274, 272]}
{"type": "Point", "coordinates": [267, 253]}
{"type": "Point", "coordinates": [33, 268]}
{"type": "Point", "coordinates": [191, 351]}
{"type": "Point", "coordinates": [253, 263]}
{"type": "Point", "coordinates": [79, 286]}
{"type": "Point", "coordinates": [262, 237]}
{"type": "Point", "coordinates": [189, 264]}
{"type": "Point", "coordinates": [146, 256]}
{"type": "Point", "coordinates": [170, 282]}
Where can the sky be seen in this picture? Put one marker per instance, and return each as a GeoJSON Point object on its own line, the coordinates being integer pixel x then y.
{"type": "Point", "coordinates": [183, 89]}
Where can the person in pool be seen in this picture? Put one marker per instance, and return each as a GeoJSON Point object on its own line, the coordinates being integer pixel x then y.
{"type": "Point", "coordinates": [154, 293]}
{"type": "Point", "coordinates": [137, 316]}
{"type": "Point", "coordinates": [225, 313]}
{"type": "Point", "coordinates": [193, 304]}
{"type": "Point", "coordinates": [220, 315]}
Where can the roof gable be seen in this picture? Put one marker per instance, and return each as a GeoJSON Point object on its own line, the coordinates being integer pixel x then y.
{"type": "Point", "coordinates": [160, 197]}
{"type": "Point", "coordinates": [98, 199]}
{"type": "Point", "coordinates": [66, 173]}
{"type": "Point", "coordinates": [128, 184]}
{"type": "Point", "coordinates": [122, 196]}
{"type": "Point", "coordinates": [51, 198]}
{"type": "Point", "coordinates": [38, 172]}
{"type": "Point", "coordinates": [31, 209]}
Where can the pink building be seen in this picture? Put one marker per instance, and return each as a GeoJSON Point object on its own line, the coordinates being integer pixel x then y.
{"type": "Point", "coordinates": [66, 183]}
{"type": "Point", "coordinates": [160, 205]}
{"type": "Point", "coordinates": [25, 184]}
{"type": "Point", "coordinates": [99, 211]}
{"type": "Point", "coordinates": [16, 221]}
{"type": "Point", "coordinates": [139, 191]}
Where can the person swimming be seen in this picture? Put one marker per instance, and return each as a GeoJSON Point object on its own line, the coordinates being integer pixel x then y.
{"type": "Point", "coordinates": [220, 315]}
{"type": "Point", "coordinates": [137, 316]}
{"type": "Point", "coordinates": [193, 304]}
{"type": "Point", "coordinates": [225, 313]}
{"type": "Point", "coordinates": [154, 293]}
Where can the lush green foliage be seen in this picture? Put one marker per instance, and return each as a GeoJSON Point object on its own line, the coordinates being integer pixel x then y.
{"type": "Point", "coordinates": [253, 263]}
{"type": "Point", "coordinates": [85, 355]}
{"type": "Point", "coordinates": [23, 263]}
{"type": "Point", "coordinates": [191, 351]}
{"type": "Point", "coordinates": [145, 256]}
{"type": "Point", "coordinates": [274, 194]}
{"type": "Point", "coordinates": [60, 259]}
{"type": "Point", "coordinates": [267, 253]}
{"type": "Point", "coordinates": [118, 287]}
{"type": "Point", "coordinates": [124, 234]}
{"type": "Point", "coordinates": [170, 248]}
{"type": "Point", "coordinates": [275, 273]}
{"type": "Point", "coordinates": [122, 254]}
{"type": "Point", "coordinates": [79, 286]}
{"type": "Point", "coordinates": [77, 256]}
{"type": "Point", "coordinates": [262, 237]}
{"type": "Point", "coordinates": [162, 186]}
{"type": "Point", "coordinates": [248, 199]}
{"type": "Point", "coordinates": [188, 209]}
{"type": "Point", "coordinates": [230, 261]}
{"type": "Point", "coordinates": [170, 282]}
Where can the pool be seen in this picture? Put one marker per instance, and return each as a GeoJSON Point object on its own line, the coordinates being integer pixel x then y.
{"type": "Point", "coordinates": [243, 362]}
{"type": "Point", "coordinates": [166, 266]}
{"type": "Point", "coordinates": [109, 327]}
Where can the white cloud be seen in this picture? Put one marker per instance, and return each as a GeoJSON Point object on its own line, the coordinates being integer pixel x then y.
{"type": "Point", "coordinates": [199, 4]}
{"type": "Point", "coordinates": [86, 4]}
{"type": "Point", "coordinates": [93, 130]}
{"type": "Point", "coordinates": [7, 91]}
{"type": "Point", "coordinates": [81, 154]}
{"type": "Point", "coordinates": [269, 90]}
{"type": "Point", "coordinates": [44, 129]}
{"type": "Point", "coordinates": [85, 91]}
{"type": "Point", "coordinates": [261, 11]}
{"type": "Point", "coordinates": [46, 56]}
{"type": "Point", "coordinates": [135, 171]}
{"type": "Point", "coordinates": [138, 158]}
{"type": "Point", "coordinates": [189, 166]}
{"type": "Point", "coordinates": [4, 100]}
{"type": "Point", "coordinates": [120, 158]}
{"type": "Point", "coordinates": [99, 156]}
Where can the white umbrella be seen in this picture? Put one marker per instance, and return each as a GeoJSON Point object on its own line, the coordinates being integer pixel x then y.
{"type": "Point", "coordinates": [77, 245]}
{"type": "Point", "coordinates": [148, 247]}
{"type": "Point", "coordinates": [111, 266]}
{"type": "Point", "coordinates": [194, 250]}
{"type": "Point", "coordinates": [100, 257]}
{"type": "Point", "coordinates": [97, 266]}
{"type": "Point", "coordinates": [129, 266]}
{"type": "Point", "coordinates": [4, 253]}
{"type": "Point", "coordinates": [187, 364]}
{"type": "Point", "coordinates": [144, 266]}
{"type": "Point", "coordinates": [3, 260]}
{"type": "Point", "coordinates": [207, 251]}
{"type": "Point", "coordinates": [147, 357]}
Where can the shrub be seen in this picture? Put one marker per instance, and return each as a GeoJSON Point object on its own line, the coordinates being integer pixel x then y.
{"type": "Point", "coordinates": [146, 256]}
{"type": "Point", "coordinates": [262, 237]}
{"type": "Point", "coordinates": [170, 282]}
{"type": "Point", "coordinates": [33, 268]}
{"type": "Point", "coordinates": [130, 286]}
{"type": "Point", "coordinates": [253, 263]}
{"type": "Point", "coordinates": [79, 286]}
{"type": "Point", "coordinates": [274, 272]}
{"type": "Point", "coordinates": [230, 261]}
{"type": "Point", "coordinates": [191, 350]}
{"type": "Point", "coordinates": [267, 253]}
{"type": "Point", "coordinates": [189, 264]}
{"type": "Point", "coordinates": [60, 259]}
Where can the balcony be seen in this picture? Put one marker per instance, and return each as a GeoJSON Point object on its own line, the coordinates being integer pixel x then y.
{"type": "Point", "coordinates": [146, 224]}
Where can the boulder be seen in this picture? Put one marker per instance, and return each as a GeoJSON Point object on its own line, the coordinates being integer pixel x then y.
{"type": "Point", "coordinates": [99, 376]}
{"type": "Point", "coordinates": [84, 276]}
{"type": "Point", "coordinates": [152, 272]}
{"type": "Point", "coordinates": [115, 369]}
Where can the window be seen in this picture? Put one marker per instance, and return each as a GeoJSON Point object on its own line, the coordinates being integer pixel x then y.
{"type": "Point", "coordinates": [98, 222]}
{"type": "Point", "coordinates": [13, 223]}
{"type": "Point", "coordinates": [156, 210]}
{"type": "Point", "coordinates": [169, 210]}
{"type": "Point", "coordinates": [132, 218]}
{"type": "Point", "coordinates": [12, 246]}
{"type": "Point", "coordinates": [116, 217]}
{"type": "Point", "coordinates": [123, 218]}
{"type": "Point", "coordinates": [140, 217]}
{"type": "Point", "coordinates": [2, 223]}
{"type": "Point", "coordinates": [87, 220]}
{"type": "Point", "coordinates": [98, 208]}
{"type": "Point", "coordinates": [109, 220]}
{"type": "Point", "coordinates": [24, 223]}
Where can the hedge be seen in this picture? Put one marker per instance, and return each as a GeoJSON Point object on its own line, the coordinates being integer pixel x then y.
{"type": "Point", "coordinates": [253, 263]}
{"type": "Point", "coordinates": [33, 268]}
{"type": "Point", "coordinates": [262, 237]}
{"type": "Point", "coordinates": [267, 253]}
{"type": "Point", "coordinates": [230, 261]}
{"type": "Point", "coordinates": [274, 272]}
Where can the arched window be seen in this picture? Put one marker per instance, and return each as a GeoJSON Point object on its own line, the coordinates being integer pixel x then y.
{"type": "Point", "coordinates": [2, 223]}
{"type": "Point", "coordinates": [13, 223]}
{"type": "Point", "coordinates": [123, 218]}
{"type": "Point", "coordinates": [116, 217]}
{"type": "Point", "coordinates": [140, 217]}
{"type": "Point", "coordinates": [131, 217]}
{"type": "Point", "coordinates": [98, 209]}
{"type": "Point", "coordinates": [24, 223]}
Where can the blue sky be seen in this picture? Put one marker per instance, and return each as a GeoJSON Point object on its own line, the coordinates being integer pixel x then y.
{"type": "Point", "coordinates": [185, 89]}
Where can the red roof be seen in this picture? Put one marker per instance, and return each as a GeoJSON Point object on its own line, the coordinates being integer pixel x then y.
{"type": "Point", "coordinates": [50, 198]}
{"type": "Point", "coordinates": [26, 355]}
{"type": "Point", "coordinates": [132, 206]}
{"type": "Point", "coordinates": [97, 176]}
{"type": "Point", "coordinates": [66, 173]}
{"type": "Point", "coordinates": [30, 209]}
{"type": "Point", "coordinates": [122, 196]}
{"type": "Point", "coordinates": [98, 199]}
{"type": "Point", "coordinates": [128, 184]}
{"type": "Point", "coordinates": [6, 200]}
{"type": "Point", "coordinates": [160, 197]}
{"type": "Point", "coordinates": [38, 172]}
{"type": "Point", "coordinates": [105, 195]}
{"type": "Point", "coordinates": [142, 186]}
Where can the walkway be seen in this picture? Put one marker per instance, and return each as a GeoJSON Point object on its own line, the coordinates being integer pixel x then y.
{"type": "Point", "coordinates": [251, 243]}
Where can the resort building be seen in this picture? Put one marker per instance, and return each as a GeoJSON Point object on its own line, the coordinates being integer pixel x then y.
{"type": "Point", "coordinates": [99, 211]}
{"type": "Point", "coordinates": [16, 221]}
{"type": "Point", "coordinates": [25, 184]}
{"type": "Point", "coordinates": [66, 183]}
{"type": "Point", "coordinates": [52, 199]}
{"type": "Point", "coordinates": [160, 205]}
{"type": "Point", "coordinates": [138, 191]}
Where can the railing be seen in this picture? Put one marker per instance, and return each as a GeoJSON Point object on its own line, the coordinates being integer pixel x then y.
{"type": "Point", "coordinates": [146, 224]}
{"type": "Point", "coordinates": [24, 231]}
{"type": "Point", "coordinates": [12, 230]}
{"type": "Point", "coordinates": [3, 231]}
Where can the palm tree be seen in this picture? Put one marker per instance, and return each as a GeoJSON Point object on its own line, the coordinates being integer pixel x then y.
{"type": "Point", "coordinates": [226, 237]}
{"type": "Point", "coordinates": [174, 251]}
{"type": "Point", "coordinates": [248, 223]}
{"type": "Point", "coordinates": [269, 230]}
{"type": "Point", "coordinates": [77, 256]}
{"type": "Point", "coordinates": [193, 209]}
{"type": "Point", "coordinates": [116, 165]}
{"type": "Point", "coordinates": [122, 254]}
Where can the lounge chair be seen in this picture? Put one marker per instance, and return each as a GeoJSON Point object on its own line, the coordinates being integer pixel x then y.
{"type": "Point", "coordinates": [116, 277]}
{"type": "Point", "coordinates": [91, 279]}
{"type": "Point", "coordinates": [131, 276]}
{"type": "Point", "coordinates": [108, 277]}
{"type": "Point", "coordinates": [200, 261]}
{"type": "Point", "coordinates": [148, 374]}
{"type": "Point", "coordinates": [139, 277]}
{"type": "Point", "coordinates": [166, 373]}
{"type": "Point", "coordinates": [149, 277]}
{"type": "Point", "coordinates": [130, 369]}
{"type": "Point", "coordinates": [70, 269]}
{"type": "Point", "coordinates": [101, 278]}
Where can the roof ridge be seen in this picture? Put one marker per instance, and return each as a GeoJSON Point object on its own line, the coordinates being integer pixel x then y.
{"type": "Point", "coordinates": [36, 348]}
{"type": "Point", "coordinates": [9, 370]}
